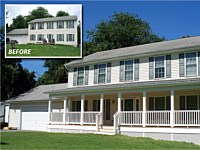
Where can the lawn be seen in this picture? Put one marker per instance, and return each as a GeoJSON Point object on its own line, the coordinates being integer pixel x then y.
{"type": "Point", "coordinates": [40, 50]}
{"type": "Point", "coordinates": [44, 140]}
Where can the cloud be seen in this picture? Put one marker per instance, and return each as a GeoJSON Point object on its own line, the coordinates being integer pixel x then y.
{"type": "Point", "coordinates": [24, 9]}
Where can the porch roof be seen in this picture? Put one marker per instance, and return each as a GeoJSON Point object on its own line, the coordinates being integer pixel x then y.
{"type": "Point", "coordinates": [128, 86]}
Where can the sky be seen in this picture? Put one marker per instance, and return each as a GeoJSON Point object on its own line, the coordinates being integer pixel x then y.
{"type": "Point", "coordinates": [168, 19]}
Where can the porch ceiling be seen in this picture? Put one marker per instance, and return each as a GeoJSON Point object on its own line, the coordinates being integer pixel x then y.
{"type": "Point", "coordinates": [145, 85]}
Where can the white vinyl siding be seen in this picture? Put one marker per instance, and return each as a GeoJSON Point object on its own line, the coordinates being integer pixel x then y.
{"type": "Point", "coordinates": [70, 37]}
{"type": "Point", "coordinates": [49, 25]}
{"type": "Point", "coordinates": [32, 37]}
{"type": "Point", "coordinates": [60, 37]}
{"type": "Point", "coordinates": [70, 24]}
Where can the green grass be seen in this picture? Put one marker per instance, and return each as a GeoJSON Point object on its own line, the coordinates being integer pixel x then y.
{"type": "Point", "coordinates": [46, 50]}
{"type": "Point", "coordinates": [44, 140]}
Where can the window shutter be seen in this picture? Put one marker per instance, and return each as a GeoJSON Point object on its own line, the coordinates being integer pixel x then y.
{"type": "Point", "coordinates": [86, 74]}
{"type": "Point", "coordinates": [136, 70]}
{"type": "Point", "coordinates": [199, 62]}
{"type": "Point", "coordinates": [151, 68]}
{"type": "Point", "coordinates": [168, 66]}
{"type": "Point", "coordinates": [108, 72]}
{"type": "Point", "coordinates": [181, 65]}
{"type": "Point", "coordinates": [75, 77]}
{"type": "Point", "coordinates": [95, 74]}
{"type": "Point", "coordinates": [121, 78]}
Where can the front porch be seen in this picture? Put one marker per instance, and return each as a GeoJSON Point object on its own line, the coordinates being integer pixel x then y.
{"type": "Point", "coordinates": [166, 108]}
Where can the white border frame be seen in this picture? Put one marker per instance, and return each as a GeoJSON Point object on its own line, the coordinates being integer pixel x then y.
{"type": "Point", "coordinates": [81, 38]}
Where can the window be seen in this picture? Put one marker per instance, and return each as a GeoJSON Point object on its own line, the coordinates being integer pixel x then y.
{"type": "Point", "coordinates": [102, 73]}
{"type": "Point", "coordinates": [40, 37]}
{"type": "Point", "coordinates": [159, 67]}
{"type": "Point", "coordinates": [191, 64]}
{"type": "Point", "coordinates": [129, 70]}
{"type": "Point", "coordinates": [60, 24]}
{"type": "Point", "coordinates": [81, 75]}
{"type": "Point", "coordinates": [191, 102]}
{"type": "Point", "coordinates": [70, 24]}
{"type": "Point", "coordinates": [32, 37]}
{"type": "Point", "coordinates": [40, 25]}
{"type": "Point", "coordinates": [70, 37]}
{"type": "Point", "coordinates": [76, 105]}
{"type": "Point", "coordinates": [49, 25]}
{"type": "Point", "coordinates": [159, 103]}
{"type": "Point", "coordinates": [96, 105]}
{"type": "Point", "coordinates": [80, 78]}
{"type": "Point", "coordinates": [60, 37]}
{"type": "Point", "coordinates": [128, 104]}
{"type": "Point", "coordinates": [49, 37]}
{"type": "Point", "coordinates": [33, 26]}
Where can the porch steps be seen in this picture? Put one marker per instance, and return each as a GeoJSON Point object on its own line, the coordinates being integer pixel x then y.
{"type": "Point", "coordinates": [106, 131]}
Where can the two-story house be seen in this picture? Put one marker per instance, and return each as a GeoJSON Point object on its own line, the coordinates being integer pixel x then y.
{"type": "Point", "coordinates": [150, 90]}
{"type": "Point", "coordinates": [63, 30]}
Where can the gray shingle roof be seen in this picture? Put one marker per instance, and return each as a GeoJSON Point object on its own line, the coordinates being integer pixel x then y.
{"type": "Point", "coordinates": [130, 85]}
{"type": "Point", "coordinates": [23, 31]}
{"type": "Point", "coordinates": [37, 93]}
{"type": "Point", "coordinates": [54, 19]}
{"type": "Point", "coordinates": [146, 49]}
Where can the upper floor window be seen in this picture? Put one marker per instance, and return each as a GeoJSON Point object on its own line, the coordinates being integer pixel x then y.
{"type": "Point", "coordinates": [49, 25]}
{"type": "Point", "coordinates": [40, 25]}
{"type": "Point", "coordinates": [160, 67]}
{"type": "Point", "coordinates": [60, 24]}
{"type": "Point", "coordinates": [129, 70]}
{"type": "Point", "coordinates": [81, 75]}
{"type": "Point", "coordinates": [32, 26]}
{"type": "Point", "coordinates": [40, 37]}
{"type": "Point", "coordinates": [32, 37]}
{"type": "Point", "coordinates": [70, 37]}
{"type": "Point", "coordinates": [70, 24]}
{"type": "Point", "coordinates": [60, 37]}
{"type": "Point", "coordinates": [102, 73]}
{"type": "Point", "coordinates": [189, 64]}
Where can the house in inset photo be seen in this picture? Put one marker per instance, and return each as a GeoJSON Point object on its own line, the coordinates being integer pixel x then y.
{"type": "Point", "coordinates": [47, 35]}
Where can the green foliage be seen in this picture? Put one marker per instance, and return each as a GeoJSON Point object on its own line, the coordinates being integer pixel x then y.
{"type": "Point", "coordinates": [121, 30]}
{"type": "Point", "coordinates": [45, 140]}
{"type": "Point", "coordinates": [18, 23]}
{"type": "Point", "coordinates": [14, 78]}
{"type": "Point", "coordinates": [62, 13]}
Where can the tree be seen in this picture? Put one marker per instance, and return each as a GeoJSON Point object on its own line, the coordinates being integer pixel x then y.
{"type": "Point", "coordinates": [121, 30]}
{"type": "Point", "coordinates": [62, 13]}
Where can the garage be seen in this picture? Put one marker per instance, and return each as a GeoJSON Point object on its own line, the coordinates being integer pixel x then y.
{"type": "Point", "coordinates": [34, 118]}
{"type": "Point", "coordinates": [21, 35]}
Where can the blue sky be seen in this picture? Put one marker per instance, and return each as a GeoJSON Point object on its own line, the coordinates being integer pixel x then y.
{"type": "Point", "coordinates": [171, 20]}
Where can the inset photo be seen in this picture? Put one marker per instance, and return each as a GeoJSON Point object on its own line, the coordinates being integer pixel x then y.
{"type": "Point", "coordinates": [43, 30]}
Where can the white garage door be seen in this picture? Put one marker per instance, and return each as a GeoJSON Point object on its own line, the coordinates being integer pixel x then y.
{"type": "Point", "coordinates": [35, 118]}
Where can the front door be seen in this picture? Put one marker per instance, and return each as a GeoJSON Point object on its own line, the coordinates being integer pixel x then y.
{"type": "Point", "coordinates": [107, 119]}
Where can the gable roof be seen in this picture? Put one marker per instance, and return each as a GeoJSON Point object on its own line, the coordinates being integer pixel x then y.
{"type": "Point", "coordinates": [54, 19]}
{"type": "Point", "coordinates": [145, 49]}
{"type": "Point", "coordinates": [23, 31]}
{"type": "Point", "coordinates": [37, 93]}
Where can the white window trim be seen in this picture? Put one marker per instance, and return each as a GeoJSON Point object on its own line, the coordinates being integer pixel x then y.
{"type": "Point", "coordinates": [124, 73]}
{"type": "Point", "coordinates": [154, 67]}
{"type": "Point", "coordinates": [185, 72]}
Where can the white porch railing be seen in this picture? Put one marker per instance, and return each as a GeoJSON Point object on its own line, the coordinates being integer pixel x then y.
{"type": "Point", "coordinates": [90, 117]}
{"type": "Point", "coordinates": [130, 117]}
{"type": "Point", "coordinates": [187, 118]}
{"type": "Point", "coordinates": [158, 118]}
{"type": "Point", "coordinates": [73, 117]}
{"type": "Point", "coordinates": [56, 117]}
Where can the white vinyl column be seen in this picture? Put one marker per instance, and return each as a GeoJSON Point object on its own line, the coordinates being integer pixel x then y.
{"type": "Point", "coordinates": [101, 103]}
{"type": "Point", "coordinates": [119, 102]}
{"type": "Point", "coordinates": [144, 109]}
{"type": "Point", "coordinates": [64, 109]}
{"type": "Point", "coordinates": [82, 108]}
{"type": "Point", "coordinates": [172, 108]}
{"type": "Point", "coordinates": [49, 110]}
